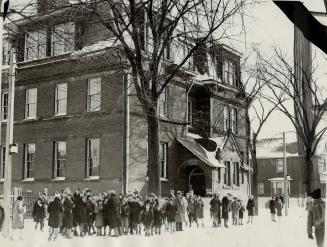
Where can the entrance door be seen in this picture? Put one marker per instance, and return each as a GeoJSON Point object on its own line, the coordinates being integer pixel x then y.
{"type": "Point", "coordinates": [197, 181]}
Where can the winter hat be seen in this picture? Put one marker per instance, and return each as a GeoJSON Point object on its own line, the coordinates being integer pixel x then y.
{"type": "Point", "coordinates": [19, 198]}
{"type": "Point", "coordinates": [56, 195]}
{"type": "Point", "coordinates": [316, 194]}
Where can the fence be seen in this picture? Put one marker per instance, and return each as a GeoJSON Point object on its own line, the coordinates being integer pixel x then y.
{"type": "Point", "coordinates": [29, 200]}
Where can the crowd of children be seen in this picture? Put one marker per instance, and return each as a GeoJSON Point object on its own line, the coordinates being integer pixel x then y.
{"type": "Point", "coordinates": [108, 214]}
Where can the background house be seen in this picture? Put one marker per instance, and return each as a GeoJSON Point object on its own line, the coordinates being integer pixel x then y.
{"type": "Point", "coordinates": [271, 168]}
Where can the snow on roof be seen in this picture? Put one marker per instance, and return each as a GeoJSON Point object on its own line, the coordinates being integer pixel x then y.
{"type": "Point", "coordinates": [101, 45]}
{"type": "Point", "coordinates": [273, 148]}
{"type": "Point", "coordinates": [204, 77]}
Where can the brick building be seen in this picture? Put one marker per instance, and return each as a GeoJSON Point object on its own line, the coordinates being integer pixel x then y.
{"type": "Point", "coordinates": [271, 168]}
{"type": "Point", "coordinates": [78, 122]}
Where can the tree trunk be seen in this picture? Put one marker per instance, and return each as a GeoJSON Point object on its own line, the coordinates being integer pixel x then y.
{"type": "Point", "coordinates": [255, 184]}
{"type": "Point", "coordinates": [154, 169]}
{"type": "Point", "coordinates": [309, 182]}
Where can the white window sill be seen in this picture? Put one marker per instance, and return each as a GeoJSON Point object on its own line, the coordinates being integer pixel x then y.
{"type": "Point", "coordinates": [60, 115]}
{"type": "Point", "coordinates": [164, 179]}
{"type": "Point", "coordinates": [28, 180]}
{"type": "Point", "coordinates": [92, 178]}
{"type": "Point", "coordinates": [2, 180]}
{"type": "Point", "coordinates": [58, 179]}
{"type": "Point", "coordinates": [235, 187]}
{"type": "Point", "coordinates": [30, 119]}
{"type": "Point", "coordinates": [227, 187]}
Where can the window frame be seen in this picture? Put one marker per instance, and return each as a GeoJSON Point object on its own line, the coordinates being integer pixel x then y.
{"type": "Point", "coordinates": [278, 165]}
{"type": "Point", "coordinates": [35, 44]}
{"type": "Point", "coordinates": [233, 120]}
{"type": "Point", "coordinates": [227, 174]}
{"type": "Point", "coordinates": [163, 160]}
{"type": "Point", "coordinates": [261, 188]}
{"type": "Point", "coordinates": [93, 96]}
{"type": "Point", "coordinates": [3, 106]}
{"type": "Point", "coordinates": [90, 159]}
{"type": "Point", "coordinates": [60, 100]}
{"type": "Point", "coordinates": [29, 165]}
{"type": "Point", "coordinates": [226, 118]}
{"type": "Point", "coordinates": [162, 103]}
{"type": "Point", "coordinates": [62, 167]}
{"type": "Point", "coordinates": [2, 161]}
{"type": "Point", "coordinates": [229, 72]}
{"type": "Point", "coordinates": [28, 104]}
{"type": "Point", "coordinates": [189, 112]}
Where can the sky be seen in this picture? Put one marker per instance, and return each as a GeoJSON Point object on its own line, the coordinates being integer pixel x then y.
{"type": "Point", "coordinates": [266, 26]}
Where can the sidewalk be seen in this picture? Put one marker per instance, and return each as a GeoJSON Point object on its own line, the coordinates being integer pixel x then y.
{"type": "Point", "coordinates": [290, 232]}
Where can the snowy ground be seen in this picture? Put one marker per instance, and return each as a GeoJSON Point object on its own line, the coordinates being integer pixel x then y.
{"type": "Point", "coordinates": [290, 232]}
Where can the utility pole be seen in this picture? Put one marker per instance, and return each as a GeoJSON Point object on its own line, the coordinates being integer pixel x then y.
{"type": "Point", "coordinates": [9, 140]}
{"type": "Point", "coordinates": [285, 176]}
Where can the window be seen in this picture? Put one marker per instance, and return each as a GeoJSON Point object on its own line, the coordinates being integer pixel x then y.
{"type": "Point", "coordinates": [4, 106]}
{"type": "Point", "coordinates": [227, 177]}
{"type": "Point", "coordinates": [163, 102]}
{"type": "Point", "coordinates": [163, 159]}
{"type": "Point", "coordinates": [94, 95]}
{"type": "Point", "coordinates": [189, 112]}
{"type": "Point", "coordinates": [61, 99]}
{"type": "Point", "coordinates": [236, 174]}
{"type": "Point", "coordinates": [35, 45]}
{"type": "Point", "coordinates": [261, 188]}
{"type": "Point", "coordinates": [226, 118]}
{"type": "Point", "coordinates": [60, 159]}
{"type": "Point", "coordinates": [29, 161]}
{"type": "Point", "coordinates": [219, 175]}
{"type": "Point", "coordinates": [234, 120]}
{"type": "Point", "coordinates": [31, 102]}
{"type": "Point", "coordinates": [278, 187]}
{"type": "Point", "coordinates": [322, 165]}
{"type": "Point", "coordinates": [229, 73]}
{"type": "Point", "coordinates": [62, 39]}
{"type": "Point", "coordinates": [2, 162]}
{"type": "Point", "coordinates": [279, 166]}
{"type": "Point", "coordinates": [93, 154]}
{"type": "Point", "coordinates": [242, 175]}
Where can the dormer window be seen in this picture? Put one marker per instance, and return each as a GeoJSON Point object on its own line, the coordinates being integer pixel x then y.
{"type": "Point", "coordinates": [35, 45]}
{"type": "Point", "coordinates": [229, 73]}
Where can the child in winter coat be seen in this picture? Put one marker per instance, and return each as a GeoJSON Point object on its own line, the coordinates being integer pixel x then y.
{"type": "Point", "coordinates": [235, 210]}
{"type": "Point", "coordinates": [99, 217]}
{"type": "Point", "coordinates": [164, 214]}
{"type": "Point", "coordinates": [241, 212]}
{"type": "Point", "coordinates": [137, 208]}
{"type": "Point", "coordinates": [170, 211]}
{"type": "Point", "coordinates": [124, 213]}
{"type": "Point", "coordinates": [157, 214]}
{"type": "Point", "coordinates": [39, 213]}
{"type": "Point", "coordinates": [191, 210]}
{"type": "Point", "coordinates": [279, 207]}
{"type": "Point", "coordinates": [147, 218]}
{"type": "Point", "coordinates": [199, 205]}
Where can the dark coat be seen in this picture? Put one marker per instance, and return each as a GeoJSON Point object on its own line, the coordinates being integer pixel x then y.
{"type": "Point", "coordinates": [55, 213]}
{"type": "Point", "coordinates": [124, 210]}
{"type": "Point", "coordinates": [90, 209]}
{"type": "Point", "coordinates": [199, 209]}
{"type": "Point", "coordinates": [215, 205]}
{"type": "Point", "coordinates": [191, 206]}
{"type": "Point", "coordinates": [136, 211]}
{"type": "Point", "coordinates": [79, 210]}
{"type": "Point", "coordinates": [170, 211]}
{"type": "Point", "coordinates": [250, 207]}
{"type": "Point", "coordinates": [226, 207]}
{"type": "Point", "coordinates": [147, 217]}
{"type": "Point", "coordinates": [67, 220]}
{"type": "Point", "coordinates": [279, 207]}
{"type": "Point", "coordinates": [157, 216]}
{"type": "Point", "coordinates": [272, 206]}
{"type": "Point", "coordinates": [38, 212]}
{"type": "Point", "coordinates": [113, 211]}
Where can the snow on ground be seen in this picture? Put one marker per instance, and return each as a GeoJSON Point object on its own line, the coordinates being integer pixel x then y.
{"type": "Point", "coordinates": [291, 231]}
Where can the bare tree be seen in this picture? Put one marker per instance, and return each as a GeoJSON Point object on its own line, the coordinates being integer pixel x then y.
{"type": "Point", "coordinates": [257, 110]}
{"type": "Point", "coordinates": [303, 102]}
{"type": "Point", "coordinates": [145, 31]}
